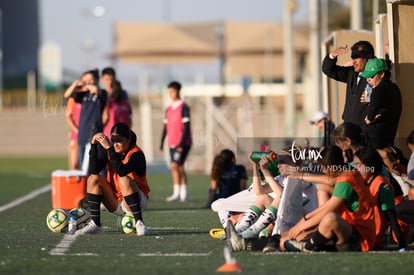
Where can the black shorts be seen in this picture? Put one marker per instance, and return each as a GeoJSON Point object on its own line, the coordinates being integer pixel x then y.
{"type": "Point", "coordinates": [179, 157]}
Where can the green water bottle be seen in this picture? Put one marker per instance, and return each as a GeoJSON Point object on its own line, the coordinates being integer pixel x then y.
{"type": "Point", "coordinates": [257, 155]}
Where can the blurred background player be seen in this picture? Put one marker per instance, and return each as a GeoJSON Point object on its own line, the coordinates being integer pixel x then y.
{"type": "Point", "coordinates": [177, 129]}
{"type": "Point", "coordinates": [118, 101]}
{"type": "Point", "coordinates": [227, 178]}
{"type": "Point", "coordinates": [94, 112]}
{"type": "Point", "coordinates": [323, 122]}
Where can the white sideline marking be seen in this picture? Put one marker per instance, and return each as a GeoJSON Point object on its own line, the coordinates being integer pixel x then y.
{"type": "Point", "coordinates": [25, 198]}
{"type": "Point", "coordinates": [83, 254]}
{"type": "Point", "coordinates": [159, 254]}
{"type": "Point", "coordinates": [64, 245]}
{"type": "Point", "coordinates": [173, 228]}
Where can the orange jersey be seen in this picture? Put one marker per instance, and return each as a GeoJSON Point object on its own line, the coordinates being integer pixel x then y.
{"type": "Point", "coordinates": [363, 220]}
{"type": "Point", "coordinates": [113, 177]}
{"type": "Point", "coordinates": [381, 221]}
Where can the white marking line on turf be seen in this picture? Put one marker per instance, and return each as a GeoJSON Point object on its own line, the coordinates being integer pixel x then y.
{"type": "Point", "coordinates": [173, 228]}
{"type": "Point", "coordinates": [83, 254]}
{"type": "Point", "coordinates": [25, 198]}
{"type": "Point", "coordinates": [64, 245]}
{"type": "Point", "coordinates": [159, 254]}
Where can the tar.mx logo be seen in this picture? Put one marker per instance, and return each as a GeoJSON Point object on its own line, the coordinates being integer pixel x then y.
{"type": "Point", "coordinates": [299, 154]}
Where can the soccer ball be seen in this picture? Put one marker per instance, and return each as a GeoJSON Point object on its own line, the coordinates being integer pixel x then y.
{"type": "Point", "coordinates": [82, 216]}
{"type": "Point", "coordinates": [57, 220]}
{"type": "Point", "coordinates": [126, 223]}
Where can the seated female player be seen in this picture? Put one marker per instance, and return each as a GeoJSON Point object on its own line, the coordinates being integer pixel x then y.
{"type": "Point", "coordinates": [125, 189]}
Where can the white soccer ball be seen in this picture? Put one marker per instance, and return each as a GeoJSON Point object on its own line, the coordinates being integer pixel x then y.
{"type": "Point", "coordinates": [126, 223]}
{"type": "Point", "coordinates": [82, 216]}
{"type": "Point", "coordinates": [57, 220]}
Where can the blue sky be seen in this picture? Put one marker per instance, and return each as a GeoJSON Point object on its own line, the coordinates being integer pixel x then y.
{"type": "Point", "coordinates": [72, 25]}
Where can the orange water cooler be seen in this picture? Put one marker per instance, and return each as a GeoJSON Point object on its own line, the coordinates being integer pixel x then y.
{"type": "Point", "coordinates": [68, 189]}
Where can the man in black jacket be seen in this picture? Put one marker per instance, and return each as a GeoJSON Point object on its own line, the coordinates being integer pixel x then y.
{"type": "Point", "coordinates": [361, 52]}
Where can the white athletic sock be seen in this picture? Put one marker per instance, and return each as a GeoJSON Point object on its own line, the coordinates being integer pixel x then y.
{"type": "Point", "coordinates": [268, 216]}
{"type": "Point", "coordinates": [183, 192]}
{"type": "Point", "coordinates": [224, 217]}
{"type": "Point", "coordinates": [176, 190]}
{"type": "Point", "coordinates": [176, 193]}
{"type": "Point", "coordinates": [249, 217]}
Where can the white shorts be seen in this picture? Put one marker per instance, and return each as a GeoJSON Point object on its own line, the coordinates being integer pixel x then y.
{"type": "Point", "coordinates": [239, 202]}
{"type": "Point", "coordinates": [143, 202]}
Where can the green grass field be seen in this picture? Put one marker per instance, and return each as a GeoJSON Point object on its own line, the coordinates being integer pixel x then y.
{"type": "Point", "coordinates": [179, 242]}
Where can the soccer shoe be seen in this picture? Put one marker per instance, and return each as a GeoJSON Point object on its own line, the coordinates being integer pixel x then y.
{"type": "Point", "coordinates": [249, 233]}
{"type": "Point", "coordinates": [172, 198]}
{"type": "Point", "coordinates": [90, 228]}
{"type": "Point", "coordinates": [272, 244]}
{"type": "Point", "coordinates": [142, 230]}
{"type": "Point", "coordinates": [217, 233]}
{"type": "Point", "coordinates": [235, 242]}
{"type": "Point", "coordinates": [296, 246]}
{"type": "Point", "coordinates": [184, 199]}
{"type": "Point", "coordinates": [183, 194]}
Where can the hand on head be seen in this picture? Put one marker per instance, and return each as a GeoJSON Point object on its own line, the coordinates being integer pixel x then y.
{"type": "Point", "coordinates": [101, 139]}
{"type": "Point", "coordinates": [339, 51]}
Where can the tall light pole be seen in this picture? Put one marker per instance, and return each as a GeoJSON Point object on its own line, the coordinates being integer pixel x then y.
{"type": "Point", "coordinates": [289, 76]}
{"type": "Point", "coordinates": [357, 14]}
{"type": "Point", "coordinates": [314, 96]}
{"type": "Point", "coordinates": [89, 43]}
{"type": "Point", "coordinates": [1, 61]}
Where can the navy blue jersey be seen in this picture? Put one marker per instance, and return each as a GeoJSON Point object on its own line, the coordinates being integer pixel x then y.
{"type": "Point", "coordinates": [229, 182]}
{"type": "Point", "coordinates": [90, 121]}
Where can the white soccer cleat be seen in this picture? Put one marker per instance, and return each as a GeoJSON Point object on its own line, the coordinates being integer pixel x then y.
{"type": "Point", "coordinates": [172, 198]}
{"type": "Point", "coordinates": [184, 198]}
{"type": "Point", "coordinates": [183, 194]}
{"type": "Point", "coordinates": [90, 228]}
{"type": "Point", "coordinates": [142, 230]}
{"type": "Point", "coordinates": [235, 242]}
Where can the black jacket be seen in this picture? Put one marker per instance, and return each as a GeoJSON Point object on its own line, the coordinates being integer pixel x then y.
{"type": "Point", "coordinates": [385, 100]}
{"type": "Point", "coordinates": [354, 111]}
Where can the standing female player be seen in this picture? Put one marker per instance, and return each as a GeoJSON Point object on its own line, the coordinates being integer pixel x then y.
{"type": "Point", "coordinates": [125, 189]}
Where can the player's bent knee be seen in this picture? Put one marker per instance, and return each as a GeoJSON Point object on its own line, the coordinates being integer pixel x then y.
{"type": "Point", "coordinates": [93, 180]}
{"type": "Point", "coordinates": [217, 205]}
{"type": "Point", "coordinates": [329, 220]}
{"type": "Point", "coordinates": [127, 185]}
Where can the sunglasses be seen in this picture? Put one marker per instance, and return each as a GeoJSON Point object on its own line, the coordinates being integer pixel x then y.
{"type": "Point", "coordinates": [118, 140]}
{"type": "Point", "coordinates": [282, 159]}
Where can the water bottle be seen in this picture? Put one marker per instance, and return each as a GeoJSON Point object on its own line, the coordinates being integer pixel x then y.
{"type": "Point", "coordinates": [368, 92]}
{"type": "Point", "coordinates": [72, 227]}
{"type": "Point", "coordinates": [257, 155]}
